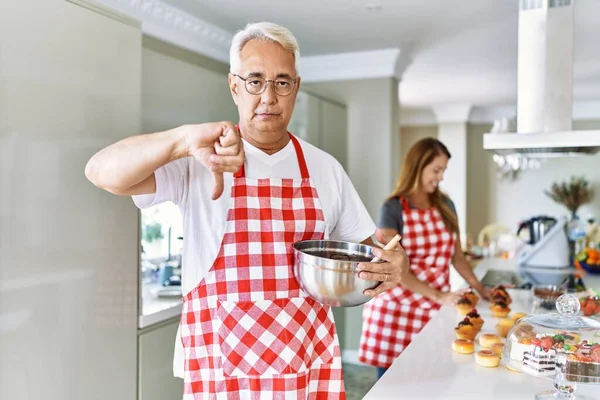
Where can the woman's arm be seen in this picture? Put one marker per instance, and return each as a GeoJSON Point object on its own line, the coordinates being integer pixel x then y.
{"type": "Point", "coordinates": [465, 270]}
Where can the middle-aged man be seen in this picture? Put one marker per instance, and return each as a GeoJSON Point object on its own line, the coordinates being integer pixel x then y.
{"type": "Point", "coordinates": [247, 330]}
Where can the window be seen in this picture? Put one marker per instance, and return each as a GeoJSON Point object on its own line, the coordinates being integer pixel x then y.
{"type": "Point", "coordinates": [161, 233]}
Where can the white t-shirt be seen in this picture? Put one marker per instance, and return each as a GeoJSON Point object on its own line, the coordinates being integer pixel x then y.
{"type": "Point", "coordinates": [189, 185]}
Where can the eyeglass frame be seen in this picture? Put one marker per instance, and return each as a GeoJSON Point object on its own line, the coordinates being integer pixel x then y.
{"type": "Point", "coordinates": [267, 81]}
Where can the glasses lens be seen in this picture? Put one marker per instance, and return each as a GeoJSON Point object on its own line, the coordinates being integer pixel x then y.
{"type": "Point", "coordinates": [284, 87]}
{"type": "Point", "coordinates": [255, 85]}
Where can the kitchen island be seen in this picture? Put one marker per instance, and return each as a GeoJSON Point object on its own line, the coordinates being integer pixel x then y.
{"type": "Point", "coordinates": [429, 369]}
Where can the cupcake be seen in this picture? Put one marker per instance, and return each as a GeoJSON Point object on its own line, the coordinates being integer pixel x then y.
{"type": "Point", "coordinates": [464, 305]}
{"type": "Point", "coordinates": [501, 291]}
{"type": "Point", "coordinates": [500, 309]}
{"type": "Point", "coordinates": [475, 319]}
{"type": "Point", "coordinates": [465, 330]}
{"type": "Point", "coordinates": [518, 315]}
{"type": "Point", "coordinates": [471, 296]}
{"type": "Point", "coordinates": [503, 326]}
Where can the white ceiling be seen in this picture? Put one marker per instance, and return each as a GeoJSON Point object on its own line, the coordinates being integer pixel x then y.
{"type": "Point", "coordinates": [464, 51]}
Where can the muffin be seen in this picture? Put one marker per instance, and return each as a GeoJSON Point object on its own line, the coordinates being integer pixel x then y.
{"type": "Point", "coordinates": [518, 315]}
{"type": "Point", "coordinates": [464, 305]}
{"type": "Point", "coordinates": [500, 309]}
{"type": "Point", "coordinates": [465, 330]}
{"type": "Point", "coordinates": [471, 296]}
{"type": "Point", "coordinates": [500, 291]}
{"type": "Point", "coordinates": [503, 326]}
{"type": "Point", "coordinates": [475, 319]}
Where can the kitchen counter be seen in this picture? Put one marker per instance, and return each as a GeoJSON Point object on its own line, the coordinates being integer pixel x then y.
{"type": "Point", "coordinates": [158, 309]}
{"type": "Point", "coordinates": [429, 369]}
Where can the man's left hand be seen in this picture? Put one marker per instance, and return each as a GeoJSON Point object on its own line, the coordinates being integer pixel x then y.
{"type": "Point", "coordinates": [390, 273]}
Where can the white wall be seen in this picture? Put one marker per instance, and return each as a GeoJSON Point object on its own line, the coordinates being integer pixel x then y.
{"type": "Point", "coordinates": [182, 88]}
{"type": "Point", "coordinates": [454, 136]}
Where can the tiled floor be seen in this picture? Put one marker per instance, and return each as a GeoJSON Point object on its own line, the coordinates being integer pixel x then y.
{"type": "Point", "coordinates": [358, 380]}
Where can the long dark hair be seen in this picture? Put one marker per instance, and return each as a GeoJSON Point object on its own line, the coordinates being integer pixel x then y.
{"type": "Point", "coordinates": [420, 155]}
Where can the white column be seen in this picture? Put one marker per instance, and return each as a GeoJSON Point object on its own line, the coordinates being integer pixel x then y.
{"type": "Point", "coordinates": [367, 82]}
{"type": "Point", "coordinates": [452, 131]}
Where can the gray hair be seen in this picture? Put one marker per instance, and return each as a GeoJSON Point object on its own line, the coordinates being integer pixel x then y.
{"type": "Point", "coordinates": [266, 31]}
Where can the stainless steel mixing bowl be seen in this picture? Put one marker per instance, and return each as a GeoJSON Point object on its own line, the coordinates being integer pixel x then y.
{"type": "Point", "coordinates": [326, 270]}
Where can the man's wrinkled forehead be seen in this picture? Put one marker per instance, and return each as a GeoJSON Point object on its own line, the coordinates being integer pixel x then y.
{"type": "Point", "coordinates": [266, 59]}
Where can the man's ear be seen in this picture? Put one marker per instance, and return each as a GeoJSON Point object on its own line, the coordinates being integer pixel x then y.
{"type": "Point", "coordinates": [233, 87]}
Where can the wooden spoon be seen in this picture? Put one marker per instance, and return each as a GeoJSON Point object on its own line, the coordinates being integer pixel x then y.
{"type": "Point", "coordinates": [391, 244]}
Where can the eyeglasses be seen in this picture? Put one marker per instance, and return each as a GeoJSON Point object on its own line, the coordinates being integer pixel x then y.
{"type": "Point", "coordinates": [256, 85]}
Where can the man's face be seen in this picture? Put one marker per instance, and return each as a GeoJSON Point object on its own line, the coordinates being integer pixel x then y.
{"type": "Point", "coordinates": [267, 112]}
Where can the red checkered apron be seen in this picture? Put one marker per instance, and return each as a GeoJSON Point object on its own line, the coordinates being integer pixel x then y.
{"type": "Point", "coordinates": [393, 318]}
{"type": "Point", "coordinates": [248, 330]}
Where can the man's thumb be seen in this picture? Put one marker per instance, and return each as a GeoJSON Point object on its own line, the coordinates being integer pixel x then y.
{"type": "Point", "coordinates": [218, 185]}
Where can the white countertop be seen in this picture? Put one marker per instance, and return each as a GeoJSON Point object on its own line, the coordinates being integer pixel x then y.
{"type": "Point", "coordinates": [157, 309]}
{"type": "Point", "coordinates": [429, 369]}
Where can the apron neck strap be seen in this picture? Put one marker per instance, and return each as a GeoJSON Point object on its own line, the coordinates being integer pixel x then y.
{"type": "Point", "coordinates": [405, 204]}
{"type": "Point", "coordinates": [299, 155]}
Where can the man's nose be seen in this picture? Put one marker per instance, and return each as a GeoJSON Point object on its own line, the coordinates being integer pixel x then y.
{"type": "Point", "coordinates": [269, 96]}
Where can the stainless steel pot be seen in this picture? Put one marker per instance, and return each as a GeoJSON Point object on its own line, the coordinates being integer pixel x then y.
{"type": "Point", "coordinates": [326, 270]}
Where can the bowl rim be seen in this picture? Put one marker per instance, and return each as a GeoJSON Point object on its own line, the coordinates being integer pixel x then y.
{"type": "Point", "coordinates": [329, 260]}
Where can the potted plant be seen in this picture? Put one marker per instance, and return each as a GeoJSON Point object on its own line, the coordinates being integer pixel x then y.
{"type": "Point", "coordinates": [572, 193]}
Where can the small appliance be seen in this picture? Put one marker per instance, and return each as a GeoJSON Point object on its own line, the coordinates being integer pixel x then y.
{"type": "Point", "coordinates": [545, 260]}
{"type": "Point", "coordinates": [536, 227]}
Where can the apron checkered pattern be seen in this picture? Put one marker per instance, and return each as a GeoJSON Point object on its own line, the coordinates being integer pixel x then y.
{"type": "Point", "coordinates": [248, 330]}
{"type": "Point", "coordinates": [393, 318]}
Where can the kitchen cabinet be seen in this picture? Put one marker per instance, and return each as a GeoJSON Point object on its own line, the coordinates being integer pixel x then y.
{"type": "Point", "coordinates": [155, 367]}
{"type": "Point", "coordinates": [322, 123]}
{"type": "Point", "coordinates": [69, 85]}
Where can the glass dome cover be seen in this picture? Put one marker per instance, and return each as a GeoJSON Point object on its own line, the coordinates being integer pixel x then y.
{"type": "Point", "coordinates": [561, 346]}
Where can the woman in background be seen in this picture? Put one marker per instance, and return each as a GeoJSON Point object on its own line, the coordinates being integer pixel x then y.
{"type": "Point", "coordinates": [426, 219]}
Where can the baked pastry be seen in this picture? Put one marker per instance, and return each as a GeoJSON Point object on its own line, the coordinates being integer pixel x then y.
{"type": "Point", "coordinates": [464, 305]}
{"type": "Point", "coordinates": [503, 326]}
{"type": "Point", "coordinates": [501, 291]}
{"type": "Point", "coordinates": [475, 319]}
{"type": "Point", "coordinates": [497, 348]}
{"type": "Point", "coordinates": [500, 309]}
{"type": "Point", "coordinates": [518, 315]}
{"type": "Point", "coordinates": [540, 361]}
{"type": "Point", "coordinates": [584, 364]}
{"type": "Point", "coordinates": [465, 330]}
{"type": "Point", "coordinates": [487, 358]}
{"type": "Point", "coordinates": [463, 346]}
{"type": "Point", "coordinates": [488, 339]}
{"type": "Point", "coordinates": [471, 296]}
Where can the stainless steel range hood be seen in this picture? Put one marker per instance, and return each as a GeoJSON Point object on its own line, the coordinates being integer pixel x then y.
{"type": "Point", "coordinates": [545, 87]}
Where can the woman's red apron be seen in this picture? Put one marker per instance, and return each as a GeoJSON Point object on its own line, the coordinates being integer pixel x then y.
{"type": "Point", "coordinates": [392, 319]}
{"type": "Point", "coordinates": [248, 330]}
